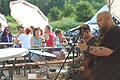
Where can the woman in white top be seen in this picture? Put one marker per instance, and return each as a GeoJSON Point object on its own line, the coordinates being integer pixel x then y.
{"type": "Point", "coordinates": [25, 39]}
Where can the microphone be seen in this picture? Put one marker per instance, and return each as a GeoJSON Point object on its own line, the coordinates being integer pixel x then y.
{"type": "Point", "coordinates": [75, 29]}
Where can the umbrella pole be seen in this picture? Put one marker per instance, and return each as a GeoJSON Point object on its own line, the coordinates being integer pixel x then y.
{"type": "Point", "coordinates": [109, 6]}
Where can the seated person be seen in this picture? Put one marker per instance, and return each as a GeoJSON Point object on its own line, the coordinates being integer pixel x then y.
{"type": "Point", "coordinates": [59, 37]}
{"type": "Point", "coordinates": [19, 32]}
{"type": "Point", "coordinates": [49, 36]}
{"type": "Point", "coordinates": [37, 41]}
{"type": "Point", "coordinates": [86, 61]}
{"type": "Point", "coordinates": [24, 39]}
{"type": "Point", "coordinates": [6, 37]}
{"type": "Point", "coordinates": [58, 42]}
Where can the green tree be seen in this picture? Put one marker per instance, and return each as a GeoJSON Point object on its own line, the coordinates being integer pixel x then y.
{"type": "Point", "coordinates": [54, 3]}
{"type": "Point", "coordinates": [55, 14]}
{"type": "Point", "coordinates": [12, 24]}
{"type": "Point", "coordinates": [98, 1]}
{"type": "Point", "coordinates": [0, 6]}
{"type": "Point", "coordinates": [69, 9]}
{"type": "Point", "coordinates": [41, 4]}
{"type": "Point", "coordinates": [5, 7]}
{"type": "Point", "coordinates": [97, 5]}
{"type": "Point", "coordinates": [85, 11]}
{"type": "Point", "coordinates": [64, 24]}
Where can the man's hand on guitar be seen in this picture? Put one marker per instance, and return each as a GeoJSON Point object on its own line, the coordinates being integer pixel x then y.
{"type": "Point", "coordinates": [82, 45]}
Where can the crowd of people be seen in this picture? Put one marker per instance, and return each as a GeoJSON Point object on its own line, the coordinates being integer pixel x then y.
{"type": "Point", "coordinates": [103, 62]}
{"type": "Point", "coordinates": [33, 38]}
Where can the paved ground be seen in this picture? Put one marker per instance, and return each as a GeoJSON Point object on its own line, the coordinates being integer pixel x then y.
{"type": "Point", "coordinates": [21, 77]}
{"type": "Point", "coordinates": [15, 76]}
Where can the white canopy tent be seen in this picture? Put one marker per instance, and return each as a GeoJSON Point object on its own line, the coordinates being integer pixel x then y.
{"type": "Point", "coordinates": [93, 20]}
{"type": "Point", "coordinates": [27, 14]}
{"type": "Point", "coordinates": [114, 6]}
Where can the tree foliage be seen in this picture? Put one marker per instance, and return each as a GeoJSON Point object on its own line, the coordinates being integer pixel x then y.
{"type": "Point", "coordinates": [60, 10]}
{"type": "Point", "coordinates": [64, 24]}
{"type": "Point", "coordinates": [69, 9]}
{"type": "Point", "coordinates": [55, 14]}
{"type": "Point", "coordinates": [84, 11]}
{"type": "Point", "coordinates": [5, 7]}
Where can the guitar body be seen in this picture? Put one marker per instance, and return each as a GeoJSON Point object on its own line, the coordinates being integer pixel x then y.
{"type": "Point", "coordinates": [82, 68]}
{"type": "Point", "coordinates": [88, 61]}
{"type": "Point", "coordinates": [86, 67]}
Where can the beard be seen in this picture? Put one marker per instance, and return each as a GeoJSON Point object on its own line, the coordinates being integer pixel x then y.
{"type": "Point", "coordinates": [103, 30]}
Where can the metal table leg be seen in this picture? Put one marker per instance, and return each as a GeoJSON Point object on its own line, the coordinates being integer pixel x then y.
{"type": "Point", "coordinates": [11, 71]}
{"type": "Point", "coordinates": [1, 72]}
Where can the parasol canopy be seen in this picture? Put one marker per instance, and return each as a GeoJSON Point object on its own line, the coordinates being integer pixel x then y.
{"type": "Point", "coordinates": [26, 14]}
{"type": "Point", "coordinates": [3, 21]}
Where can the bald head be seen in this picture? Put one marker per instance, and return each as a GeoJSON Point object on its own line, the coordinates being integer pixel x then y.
{"type": "Point", "coordinates": [105, 22]}
{"type": "Point", "coordinates": [106, 17]}
{"type": "Point", "coordinates": [105, 14]}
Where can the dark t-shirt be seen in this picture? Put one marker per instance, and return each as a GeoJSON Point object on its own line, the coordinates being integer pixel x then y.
{"type": "Point", "coordinates": [91, 58]}
{"type": "Point", "coordinates": [108, 68]}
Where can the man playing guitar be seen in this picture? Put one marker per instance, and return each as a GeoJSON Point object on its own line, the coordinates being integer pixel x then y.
{"type": "Point", "coordinates": [87, 59]}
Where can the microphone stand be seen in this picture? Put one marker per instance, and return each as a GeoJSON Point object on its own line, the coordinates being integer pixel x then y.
{"type": "Point", "coordinates": [71, 50]}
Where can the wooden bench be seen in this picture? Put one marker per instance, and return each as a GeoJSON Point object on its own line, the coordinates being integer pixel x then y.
{"type": "Point", "coordinates": [29, 64]}
{"type": "Point", "coordinates": [35, 63]}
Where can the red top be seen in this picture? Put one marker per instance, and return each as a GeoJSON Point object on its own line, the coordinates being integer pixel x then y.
{"type": "Point", "coordinates": [49, 42]}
